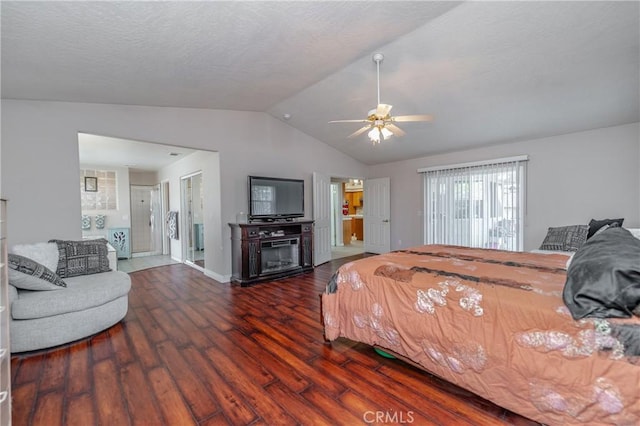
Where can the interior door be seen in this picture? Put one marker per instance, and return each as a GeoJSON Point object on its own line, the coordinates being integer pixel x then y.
{"type": "Point", "coordinates": [141, 220]}
{"type": "Point", "coordinates": [322, 218]}
{"type": "Point", "coordinates": [156, 220]}
{"type": "Point", "coordinates": [377, 216]}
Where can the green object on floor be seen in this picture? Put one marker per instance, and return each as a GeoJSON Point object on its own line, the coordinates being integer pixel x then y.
{"type": "Point", "coordinates": [384, 354]}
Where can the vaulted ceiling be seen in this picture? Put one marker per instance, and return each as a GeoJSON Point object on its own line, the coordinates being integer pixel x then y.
{"type": "Point", "coordinates": [489, 72]}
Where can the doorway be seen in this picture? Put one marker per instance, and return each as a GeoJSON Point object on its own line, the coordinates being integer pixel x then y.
{"type": "Point", "coordinates": [347, 236]}
{"type": "Point", "coordinates": [147, 164]}
{"type": "Point", "coordinates": [146, 220]}
{"type": "Point", "coordinates": [331, 227]}
{"type": "Point", "coordinates": [192, 195]}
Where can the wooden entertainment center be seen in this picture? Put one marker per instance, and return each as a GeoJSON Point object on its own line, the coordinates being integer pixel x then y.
{"type": "Point", "coordinates": [263, 251]}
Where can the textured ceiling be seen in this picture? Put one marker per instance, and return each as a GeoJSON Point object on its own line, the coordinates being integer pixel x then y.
{"type": "Point", "coordinates": [489, 72]}
{"type": "Point", "coordinates": [221, 55]}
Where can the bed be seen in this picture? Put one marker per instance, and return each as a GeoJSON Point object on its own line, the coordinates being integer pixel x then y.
{"type": "Point", "coordinates": [495, 323]}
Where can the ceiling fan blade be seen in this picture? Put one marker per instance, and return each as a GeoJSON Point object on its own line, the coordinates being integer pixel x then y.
{"type": "Point", "coordinates": [397, 131]}
{"type": "Point", "coordinates": [350, 121]}
{"type": "Point", "coordinates": [358, 132]}
{"type": "Point", "coordinates": [383, 110]}
{"type": "Point", "coordinates": [418, 117]}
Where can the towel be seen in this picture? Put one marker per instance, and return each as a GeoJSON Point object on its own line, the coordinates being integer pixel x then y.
{"type": "Point", "coordinates": [172, 225]}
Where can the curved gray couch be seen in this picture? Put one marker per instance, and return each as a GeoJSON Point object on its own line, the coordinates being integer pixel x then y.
{"type": "Point", "coordinates": [89, 304]}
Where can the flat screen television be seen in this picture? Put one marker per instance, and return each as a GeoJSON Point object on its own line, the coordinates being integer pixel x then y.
{"type": "Point", "coordinates": [275, 198]}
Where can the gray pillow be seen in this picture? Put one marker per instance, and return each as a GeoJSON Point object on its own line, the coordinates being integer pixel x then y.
{"type": "Point", "coordinates": [43, 253]}
{"type": "Point", "coordinates": [82, 257]}
{"type": "Point", "coordinates": [27, 274]}
{"type": "Point", "coordinates": [565, 238]}
{"type": "Point", "coordinates": [594, 225]}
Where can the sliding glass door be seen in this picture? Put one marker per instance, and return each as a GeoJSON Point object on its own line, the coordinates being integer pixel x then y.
{"type": "Point", "coordinates": [478, 206]}
{"type": "Point", "coordinates": [193, 220]}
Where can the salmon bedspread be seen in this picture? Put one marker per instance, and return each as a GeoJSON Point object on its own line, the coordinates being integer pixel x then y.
{"type": "Point", "coordinates": [492, 322]}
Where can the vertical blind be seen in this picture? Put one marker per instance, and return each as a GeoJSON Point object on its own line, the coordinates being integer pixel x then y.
{"type": "Point", "coordinates": [476, 204]}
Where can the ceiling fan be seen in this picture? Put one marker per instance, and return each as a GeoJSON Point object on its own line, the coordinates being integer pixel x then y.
{"type": "Point", "coordinates": [378, 122]}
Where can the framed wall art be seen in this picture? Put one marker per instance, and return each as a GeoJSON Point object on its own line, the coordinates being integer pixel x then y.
{"type": "Point", "coordinates": [90, 184]}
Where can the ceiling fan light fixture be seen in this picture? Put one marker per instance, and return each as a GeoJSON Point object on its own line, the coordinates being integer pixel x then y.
{"type": "Point", "coordinates": [379, 133]}
{"type": "Point", "coordinates": [379, 122]}
{"type": "Point", "coordinates": [374, 135]}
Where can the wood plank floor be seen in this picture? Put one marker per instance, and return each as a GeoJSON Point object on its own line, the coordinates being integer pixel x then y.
{"type": "Point", "coordinates": [192, 351]}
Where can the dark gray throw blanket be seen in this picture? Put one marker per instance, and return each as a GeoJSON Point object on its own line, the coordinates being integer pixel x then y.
{"type": "Point", "coordinates": [603, 281]}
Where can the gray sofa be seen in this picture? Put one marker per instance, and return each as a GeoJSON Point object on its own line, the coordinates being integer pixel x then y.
{"type": "Point", "coordinates": [90, 303]}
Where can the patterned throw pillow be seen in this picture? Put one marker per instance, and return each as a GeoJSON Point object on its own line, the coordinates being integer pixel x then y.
{"type": "Point", "coordinates": [82, 257]}
{"type": "Point", "coordinates": [565, 238]}
{"type": "Point", "coordinates": [28, 274]}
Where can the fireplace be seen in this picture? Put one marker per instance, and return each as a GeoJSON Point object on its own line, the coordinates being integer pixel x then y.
{"type": "Point", "coordinates": [280, 255]}
{"type": "Point", "coordinates": [270, 250]}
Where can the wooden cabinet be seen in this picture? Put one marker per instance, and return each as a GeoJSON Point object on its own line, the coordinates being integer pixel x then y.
{"type": "Point", "coordinates": [120, 240]}
{"type": "Point", "coordinates": [306, 249]}
{"type": "Point", "coordinates": [357, 228]}
{"type": "Point", "coordinates": [346, 232]}
{"type": "Point", "coordinates": [355, 200]}
{"type": "Point", "coordinates": [270, 250]}
{"type": "Point", "coordinates": [5, 340]}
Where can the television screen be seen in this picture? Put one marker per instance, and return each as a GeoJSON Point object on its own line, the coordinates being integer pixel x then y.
{"type": "Point", "coordinates": [275, 198]}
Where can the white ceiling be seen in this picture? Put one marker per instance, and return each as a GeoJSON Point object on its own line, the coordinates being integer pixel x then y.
{"type": "Point", "coordinates": [489, 72]}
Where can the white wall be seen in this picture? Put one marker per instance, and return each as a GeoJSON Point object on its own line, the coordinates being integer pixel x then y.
{"type": "Point", "coordinates": [40, 158]}
{"type": "Point", "coordinates": [571, 179]}
{"type": "Point", "coordinates": [209, 164]}
{"type": "Point", "coordinates": [143, 178]}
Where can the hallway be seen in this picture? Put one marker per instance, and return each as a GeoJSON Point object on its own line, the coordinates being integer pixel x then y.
{"type": "Point", "coordinates": [338, 252]}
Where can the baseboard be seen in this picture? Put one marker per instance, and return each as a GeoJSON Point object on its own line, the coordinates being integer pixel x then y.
{"type": "Point", "coordinates": [145, 254]}
{"type": "Point", "coordinates": [221, 278]}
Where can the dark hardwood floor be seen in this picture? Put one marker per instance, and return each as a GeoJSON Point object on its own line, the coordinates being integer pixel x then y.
{"type": "Point", "coordinates": [194, 351]}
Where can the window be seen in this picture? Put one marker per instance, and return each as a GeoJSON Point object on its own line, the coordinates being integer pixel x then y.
{"type": "Point", "coordinates": [103, 196]}
{"type": "Point", "coordinates": [476, 204]}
